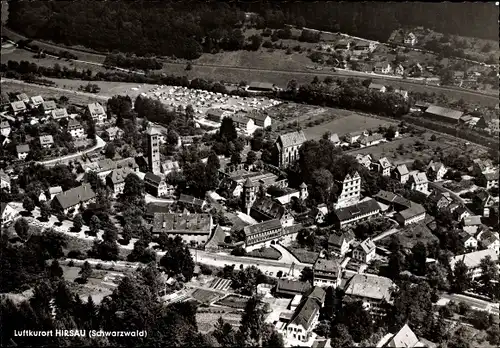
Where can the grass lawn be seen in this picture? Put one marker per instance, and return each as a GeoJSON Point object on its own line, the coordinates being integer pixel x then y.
{"type": "Point", "coordinates": [266, 253]}
{"type": "Point", "coordinates": [344, 125]}
{"type": "Point", "coordinates": [303, 255]}
{"type": "Point", "coordinates": [411, 235]}
{"type": "Point", "coordinates": [204, 296]}
{"type": "Point", "coordinates": [108, 89]}
{"type": "Point", "coordinates": [233, 301]}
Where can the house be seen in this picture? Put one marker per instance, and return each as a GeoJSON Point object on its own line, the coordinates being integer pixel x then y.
{"type": "Point", "coordinates": [483, 202]}
{"type": "Point", "coordinates": [471, 224]}
{"type": "Point", "coordinates": [156, 186]}
{"type": "Point", "coordinates": [54, 191]}
{"type": "Point", "coordinates": [343, 45]}
{"type": "Point", "coordinates": [412, 215]}
{"type": "Point", "coordinates": [36, 101]}
{"type": "Point", "coordinates": [490, 241]}
{"type": "Point", "coordinates": [289, 288]}
{"type": "Point", "coordinates": [365, 251]}
{"type": "Point", "coordinates": [401, 173]}
{"type": "Point", "coordinates": [217, 115]}
{"type": "Point", "coordinates": [384, 166]}
{"type": "Point", "coordinates": [468, 241]}
{"type": "Point", "coordinates": [96, 112]}
{"type": "Point", "coordinates": [304, 318]}
{"type": "Point", "coordinates": [46, 141]}
{"type": "Point", "coordinates": [372, 290]}
{"type": "Point", "coordinates": [334, 138]}
{"type": "Point", "coordinates": [436, 171]}
{"type": "Point", "coordinates": [188, 201]}
{"type": "Point", "coordinates": [461, 212]}
{"type": "Point", "coordinates": [76, 129]}
{"type": "Point", "coordinates": [116, 180]}
{"type": "Point", "coordinates": [262, 234]}
{"type": "Point", "coordinates": [105, 166]}
{"type": "Point", "coordinates": [327, 273]}
{"type": "Point", "coordinates": [442, 200]}
{"type": "Point", "coordinates": [169, 166]}
{"type": "Point", "coordinates": [488, 179]}
{"type": "Point", "coordinates": [402, 93]}
{"type": "Point", "coordinates": [473, 260]}
{"type": "Point", "coordinates": [59, 114]}
{"type": "Point", "coordinates": [353, 137]}
{"type": "Point", "coordinates": [70, 201]}
{"type": "Point", "coordinates": [5, 128]}
{"type": "Point", "coordinates": [362, 48]}
{"type": "Point", "coordinates": [4, 181]}
{"type": "Point", "coordinates": [439, 113]}
{"type": "Point", "coordinates": [319, 213]}
{"type": "Point", "coordinates": [362, 211]}
{"type": "Point", "coordinates": [339, 243]}
{"type": "Point", "coordinates": [114, 133]}
{"type": "Point", "coordinates": [260, 119]}
{"type": "Point", "coordinates": [350, 191]}
{"type": "Point", "coordinates": [480, 166]}
{"type": "Point", "coordinates": [261, 87]}
{"type": "Point", "coordinates": [370, 140]}
{"type": "Point", "coordinates": [383, 68]}
{"type": "Point", "coordinates": [17, 107]}
{"type": "Point", "coordinates": [243, 123]}
{"type": "Point", "coordinates": [404, 338]}
{"type": "Point", "coordinates": [399, 70]}
{"type": "Point", "coordinates": [9, 213]}
{"type": "Point", "coordinates": [288, 147]}
{"type": "Point", "coordinates": [364, 160]}
{"type": "Point", "coordinates": [22, 151]}
{"type": "Point", "coordinates": [419, 182]}
{"type": "Point", "coordinates": [410, 39]}
{"type": "Point", "coordinates": [49, 106]}
{"type": "Point", "coordinates": [392, 201]}
{"type": "Point", "coordinates": [377, 87]}
{"type": "Point", "coordinates": [23, 97]}
{"type": "Point", "coordinates": [192, 228]}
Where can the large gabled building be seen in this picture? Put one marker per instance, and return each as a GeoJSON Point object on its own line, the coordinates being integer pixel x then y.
{"type": "Point", "coordinates": [262, 234]}
{"type": "Point", "coordinates": [372, 290]}
{"type": "Point", "coordinates": [70, 201]}
{"type": "Point", "coordinates": [192, 228]}
{"type": "Point", "coordinates": [350, 191]}
{"type": "Point", "coordinates": [288, 147]}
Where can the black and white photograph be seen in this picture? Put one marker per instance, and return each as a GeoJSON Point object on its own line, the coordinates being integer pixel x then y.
{"type": "Point", "coordinates": [203, 173]}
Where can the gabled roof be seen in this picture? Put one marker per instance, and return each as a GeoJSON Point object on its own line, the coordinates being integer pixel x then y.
{"type": "Point", "coordinates": [257, 116]}
{"type": "Point", "coordinates": [435, 166]}
{"type": "Point", "coordinates": [23, 148]}
{"type": "Point", "coordinates": [55, 190]}
{"type": "Point", "coordinates": [362, 208]}
{"type": "Point", "coordinates": [291, 287]}
{"type": "Point", "coordinates": [75, 196]}
{"type": "Point", "coordinates": [118, 175]}
{"type": "Point", "coordinates": [337, 240]}
{"type": "Point", "coordinates": [22, 97]}
{"type": "Point", "coordinates": [59, 113]}
{"type": "Point", "coordinates": [113, 130]}
{"type": "Point", "coordinates": [376, 86]}
{"type": "Point", "coordinates": [464, 236]}
{"type": "Point", "coordinates": [49, 105]}
{"type": "Point", "coordinates": [402, 169]}
{"type": "Point", "coordinates": [326, 266]}
{"type": "Point", "coordinates": [3, 176]}
{"type": "Point", "coordinates": [414, 210]}
{"type": "Point", "coordinates": [384, 162]}
{"type": "Point", "coordinates": [489, 240]}
{"type": "Point", "coordinates": [4, 124]}
{"type": "Point", "coordinates": [472, 260]}
{"type": "Point", "coordinates": [472, 220]}
{"type": "Point", "coordinates": [269, 207]}
{"type": "Point", "coordinates": [186, 199]}
{"type": "Point", "coordinates": [18, 106]}
{"type": "Point", "coordinates": [262, 227]}
{"type": "Point", "coordinates": [369, 286]}
{"type": "Point", "coordinates": [316, 293]}
{"type": "Point", "coordinates": [404, 338]}
{"type": "Point", "coordinates": [334, 138]}
{"type": "Point", "coordinates": [152, 178]}
{"type": "Point", "coordinates": [292, 139]}
{"type": "Point", "coordinates": [305, 312]}
{"type": "Point", "coordinates": [95, 109]}
{"type": "Point", "coordinates": [182, 223]}
{"type": "Point", "coordinates": [444, 112]}
{"type": "Point", "coordinates": [37, 99]}
{"type": "Point", "coordinates": [419, 178]}
{"type": "Point", "coordinates": [367, 246]}
{"type": "Point", "coordinates": [491, 176]}
{"type": "Point", "coordinates": [261, 85]}
{"type": "Point", "coordinates": [74, 124]}
{"type": "Point", "coordinates": [46, 139]}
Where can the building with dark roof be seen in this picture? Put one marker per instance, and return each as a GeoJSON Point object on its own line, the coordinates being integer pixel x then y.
{"type": "Point", "coordinates": [260, 119]}
{"type": "Point", "coordinates": [339, 243]}
{"type": "Point", "coordinates": [392, 200]}
{"type": "Point", "coordinates": [156, 186]}
{"type": "Point", "coordinates": [372, 290]}
{"type": "Point", "coordinates": [439, 113]}
{"type": "Point", "coordinates": [116, 180]}
{"type": "Point", "coordinates": [22, 151]}
{"type": "Point", "coordinates": [191, 202]}
{"type": "Point", "coordinates": [192, 228]}
{"type": "Point", "coordinates": [414, 214]}
{"type": "Point", "coordinates": [327, 273]}
{"type": "Point", "coordinates": [261, 87]}
{"type": "Point", "coordinates": [288, 147]}
{"type": "Point", "coordinates": [400, 173]}
{"type": "Point", "coordinates": [353, 214]}
{"type": "Point", "coordinates": [289, 288]}
{"type": "Point", "coordinates": [262, 234]}
{"type": "Point", "coordinates": [71, 200]}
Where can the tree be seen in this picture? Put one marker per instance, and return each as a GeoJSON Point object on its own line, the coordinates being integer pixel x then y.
{"type": "Point", "coordinates": [252, 322]}
{"type": "Point", "coordinates": [292, 86]}
{"type": "Point", "coordinates": [340, 337]}
{"type": "Point", "coordinates": [177, 259]}
{"type": "Point", "coordinates": [227, 129]}
{"type": "Point", "coordinates": [133, 189]}
{"type": "Point", "coordinates": [246, 280]}
{"type": "Point", "coordinates": [418, 259]}
{"type": "Point", "coordinates": [224, 333]}
{"type": "Point", "coordinates": [251, 157]}
{"type": "Point", "coordinates": [95, 225]}
{"type": "Point", "coordinates": [462, 277]}
{"type": "Point", "coordinates": [358, 321]}
{"type": "Point", "coordinates": [110, 150]}
{"type": "Point", "coordinates": [85, 272]}
{"type": "Point", "coordinates": [141, 253]}
{"type": "Point", "coordinates": [236, 158]}
{"type": "Point", "coordinates": [44, 212]}
{"type": "Point", "coordinates": [460, 339]}
{"type": "Point", "coordinates": [55, 270]}
{"type": "Point", "coordinates": [489, 277]}
{"type": "Point", "coordinates": [22, 227]}
{"type": "Point", "coordinates": [255, 42]}
{"type": "Point", "coordinates": [78, 222]}
{"type": "Point", "coordinates": [28, 204]}
{"type": "Point", "coordinates": [306, 275]}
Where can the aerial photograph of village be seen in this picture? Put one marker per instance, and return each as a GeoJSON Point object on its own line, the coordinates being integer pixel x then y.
{"type": "Point", "coordinates": [249, 174]}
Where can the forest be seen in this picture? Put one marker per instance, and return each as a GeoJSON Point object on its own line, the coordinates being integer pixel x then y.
{"type": "Point", "coordinates": [179, 29]}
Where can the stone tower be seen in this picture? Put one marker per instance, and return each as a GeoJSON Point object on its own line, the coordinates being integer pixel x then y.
{"type": "Point", "coordinates": [249, 195]}
{"type": "Point", "coordinates": [303, 191]}
{"type": "Point", "coordinates": [154, 150]}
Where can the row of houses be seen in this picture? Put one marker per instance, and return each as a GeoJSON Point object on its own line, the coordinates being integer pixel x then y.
{"type": "Point", "coordinates": [247, 122]}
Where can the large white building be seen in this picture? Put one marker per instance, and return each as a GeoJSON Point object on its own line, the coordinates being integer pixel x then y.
{"type": "Point", "coordinates": [192, 228]}
{"type": "Point", "coordinates": [372, 290]}
{"type": "Point", "coordinates": [154, 150]}
{"type": "Point", "coordinates": [96, 112]}
{"type": "Point", "coordinates": [76, 129]}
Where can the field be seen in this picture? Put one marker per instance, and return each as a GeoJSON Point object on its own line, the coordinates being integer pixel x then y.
{"type": "Point", "coordinates": [411, 235]}
{"type": "Point", "coordinates": [344, 125]}
{"type": "Point", "coordinates": [204, 296]}
{"type": "Point", "coordinates": [233, 301]}
{"type": "Point", "coordinates": [206, 320]}
{"type": "Point", "coordinates": [100, 284]}
{"type": "Point", "coordinates": [265, 253]}
{"type": "Point", "coordinates": [304, 256]}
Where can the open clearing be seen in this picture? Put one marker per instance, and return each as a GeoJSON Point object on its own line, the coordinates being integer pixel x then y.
{"type": "Point", "coordinates": [344, 125]}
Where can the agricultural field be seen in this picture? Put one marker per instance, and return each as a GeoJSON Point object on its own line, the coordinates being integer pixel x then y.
{"type": "Point", "coordinates": [406, 150]}
{"type": "Point", "coordinates": [233, 301]}
{"type": "Point", "coordinates": [206, 320]}
{"type": "Point", "coordinates": [265, 253]}
{"type": "Point", "coordinates": [344, 125]}
{"type": "Point", "coordinates": [204, 296]}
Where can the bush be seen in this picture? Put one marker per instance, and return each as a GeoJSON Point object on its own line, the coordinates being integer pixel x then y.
{"type": "Point", "coordinates": [71, 263]}
{"type": "Point", "coordinates": [98, 266]}
{"type": "Point", "coordinates": [75, 254]}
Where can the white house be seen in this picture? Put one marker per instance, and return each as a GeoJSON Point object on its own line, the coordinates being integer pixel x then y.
{"type": "Point", "coordinates": [383, 68]}
{"type": "Point", "coordinates": [410, 39]}
{"type": "Point", "coordinates": [412, 215]}
{"type": "Point", "coordinates": [402, 93]}
{"type": "Point", "coordinates": [59, 114]}
{"type": "Point", "coordinates": [372, 290]}
{"type": "Point", "coordinates": [36, 101]}
{"type": "Point", "coordinates": [9, 213]}
{"type": "Point", "coordinates": [377, 87]}
{"type": "Point", "coordinates": [70, 201]}
{"type": "Point", "coordinates": [419, 182]}
{"type": "Point", "coordinates": [76, 129]}
{"type": "Point", "coordinates": [22, 151]}
{"type": "Point", "coordinates": [436, 171]}
{"type": "Point", "coordinates": [96, 112]}
{"type": "Point", "coordinates": [473, 260]}
{"type": "Point", "coordinates": [5, 128]}
{"type": "Point", "coordinates": [17, 107]}
{"type": "Point", "coordinates": [399, 70]}
{"type": "Point", "coordinates": [46, 141]}
{"type": "Point", "coordinates": [114, 133]}
{"type": "Point", "coordinates": [365, 251]}
{"type": "Point", "coordinates": [468, 241]}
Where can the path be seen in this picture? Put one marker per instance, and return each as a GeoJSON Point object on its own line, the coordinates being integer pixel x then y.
{"type": "Point", "coordinates": [385, 234]}
{"type": "Point", "coordinates": [100, 144]}
{"type": "Point", "coordinates": [473, 302]}
{"type": "Point", "coordinates": [456, 197]}
{"type": "Point", "coordinates": [286, 256]}
{"type": "Point", "coordinates": [151, 199]}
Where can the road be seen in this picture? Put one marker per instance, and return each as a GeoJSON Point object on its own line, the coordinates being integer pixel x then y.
{"type": "Point", "coordinates": [473, 302]}
{"type": "Point", "coordinates": [455, 197]}
{"type": "Point", "coordinates": [100, 144]}
{"type": "Point", "coordinates": [385, 234]}
{"type": "Point", "coordinates": [151, 199]}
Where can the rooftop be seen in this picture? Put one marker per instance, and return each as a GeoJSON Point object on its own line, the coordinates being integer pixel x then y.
{"type": "Point", "coordinates": [186, 199]}
{"type": "Point", "coordinates": [414, 210]}
{"type": "Point", "coordinates": [181, 223]}
{"type": "Point", "coordinates": [46, 140]}
{"type": "Point", "coordinates": [23, 148]}
{"type": "Point", "coordinates": [292, 139]}
{"type": "Point", "coordinates": [292, 286]}
{"type": "Point", "coordinates": [305, 312]}
{"type": "Point", "coordinates": [354, 211]}
{"type": "Point", "coordinates": [369, 286]}
{"type": "Point", "coordinates": [74, 196]}
{"type": "Point", "coordinates": [327, 266]}
{"type": "Point", "coordinates": [472, 260]}
{"type": "Point", "coordinates": [95, 109]}
{"type": "Point", "coordinates": [444, 112]}
{"type": "Point", "coordinates": [262, 227]}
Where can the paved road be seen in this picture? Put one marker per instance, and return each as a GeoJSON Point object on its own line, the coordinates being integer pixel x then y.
{"type": "Point", "coordinates": [473, 302]}
{"type": "Point", "coordinates": [286, 256]}
{"type": "Point", "coordinates": [100, 144]}
{"type": "Point", "coordinates": [438, 186]}
{"type": "Point", "coordinates": [151, 199]}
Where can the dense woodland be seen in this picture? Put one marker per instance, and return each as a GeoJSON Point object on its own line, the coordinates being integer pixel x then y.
{"type": "Point", "coordinates": [182, 30]}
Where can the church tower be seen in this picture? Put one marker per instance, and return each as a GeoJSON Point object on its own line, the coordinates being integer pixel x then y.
{"type": "Point", "coordinates": [249, 195]}
{"type": "Point", "coordinates": [154, 150]}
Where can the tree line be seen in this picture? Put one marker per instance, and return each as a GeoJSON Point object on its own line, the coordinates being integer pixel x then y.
{"type": "Point", "coordinates": [132, 62]}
